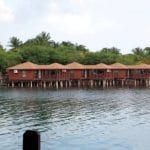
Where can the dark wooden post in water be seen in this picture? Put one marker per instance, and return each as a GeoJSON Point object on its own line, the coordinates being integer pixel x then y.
{"type": "Point", "coordinates": [31, 140]}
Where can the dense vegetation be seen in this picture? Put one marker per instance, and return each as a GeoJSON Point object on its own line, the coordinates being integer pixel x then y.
{"type": "Point", "coordinates": [43, 50]}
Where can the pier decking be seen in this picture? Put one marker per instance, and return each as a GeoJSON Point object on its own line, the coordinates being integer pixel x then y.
{"type": "Point", "coordinates": [77, 75]}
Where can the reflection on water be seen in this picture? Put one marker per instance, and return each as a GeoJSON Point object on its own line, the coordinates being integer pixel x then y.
{"type": "Point", "coordinates": [116, 119]}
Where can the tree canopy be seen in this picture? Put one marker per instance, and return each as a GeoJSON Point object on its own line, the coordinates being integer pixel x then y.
{"type": "Point", "coordinates": [41, 49]}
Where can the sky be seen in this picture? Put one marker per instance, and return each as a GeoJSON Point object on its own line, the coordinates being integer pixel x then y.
{"type": "Point", "coordinates": [124, 24]}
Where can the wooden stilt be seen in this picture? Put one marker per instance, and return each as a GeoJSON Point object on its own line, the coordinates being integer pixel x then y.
{"type": "Point", "coordinates": [12, 84]}
{"type": "Point", "coordinates": [70, 84]}
{"type": "Point", "coordinates": [61, 84]}
{"type": "Point", "coordinates": [21, 84]}
{"type": "Point", "coordinates": [104, 83]}
{"type": "Point", "coordinates": [135, 83]}
{"type": "Point", "coordinates": [122, 83]}
{"type": "Point", "coordinates": [44, 84]}
{"type": "Point", "coordinates": [91, 83]}
{"type": "Point", "coordinates": [79, 83]}
{"type": "Point", "coordinates": [66, 84]}
{"type": "Point", "coordinates": [31, 85]}
{"type": "Point", "coordinates": [56, 84]}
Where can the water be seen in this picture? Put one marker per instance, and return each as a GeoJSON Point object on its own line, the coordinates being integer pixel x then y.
{"type": "Point", "coordinates": [76, 119]}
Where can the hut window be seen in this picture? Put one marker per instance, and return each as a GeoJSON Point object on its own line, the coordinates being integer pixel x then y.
{"type": "Point", "coordinates": [64, 70]}
{"type": "Point", "coordinates": [137, 72]}
{"type": "Point", "coordinates": [83, 73]}
{"type": "Point", "coordinates": [36, 74]}
{"type": "Point", "coordinates": [108, 70]}
{"type": "Point", "coordinates": [100, 71]}
{"type": "Point", "coordinates": [72, 71]}
{"type": "Point", "coordinates": [53, 72]}
{"type": "Point", "coordinates": [23, 73]}
{"type": "Point", "coordinates": [116, 71]}
{"type": "Point", "coordinates": [15, 71]}
{"type": "Point", "coordinates": [143, 71]}
{"type": "Point", "coordinates": [94, 71]}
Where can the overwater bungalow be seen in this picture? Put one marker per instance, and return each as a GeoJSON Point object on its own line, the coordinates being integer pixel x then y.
{"type": "Point", "coordinates": [75, 74]}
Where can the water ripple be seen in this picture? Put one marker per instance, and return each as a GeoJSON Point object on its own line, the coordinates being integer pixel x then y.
{"type": "Point", "coordinates": [76, 118]}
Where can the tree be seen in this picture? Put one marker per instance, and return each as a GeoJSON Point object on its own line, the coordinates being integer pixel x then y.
{"type": "Point", "coordinates": [147, 50]}
{"type": "Point", "coordinates": [112, 50]}
{"type": "Point", "coordinates": [67, 44]}
{"type": "Point", "coordinates": [3, 61]}
{"type": "Point", "coordinates": [91, 58]}
{"type": "Point", "coordinates": [81, 48]}
{"type": "Point", "coordinates": [13, 58]}
{"type": "Point", "coordinates": [35, 53]}
{"type": "Point", "coordinates": [43, 38]}
{"type": "Point", "coordinates": [139, 52]}
{"type": "Point", "coordinates": [109, 55]}
{"type": "Point", "coordinates": [1, 47]}
{"type": "Point", "coordinates": [14, 42]}
{"type": "Point", "coordinates": [127, 59]}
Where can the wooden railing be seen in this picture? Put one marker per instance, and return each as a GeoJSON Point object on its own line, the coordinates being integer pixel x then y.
{"type": "Point", "coordinates": [139, 76]}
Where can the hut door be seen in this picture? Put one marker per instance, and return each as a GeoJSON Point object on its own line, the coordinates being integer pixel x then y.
{"type": "Point", "coordinates": [85, 74]}
{"type": "Point", "coordinates": [88, 74]}
{"type": "Point", "coordinates": [116, 74]}
{"type": "Point", "coordinates": [71, 74]}
{"type": "Point", "coordinates": [39, 74]}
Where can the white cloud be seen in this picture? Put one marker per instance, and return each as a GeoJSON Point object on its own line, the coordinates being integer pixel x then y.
{"type": "Point", "coordinates": [67, 19]}
{"type": "Point", "coordinates": [6, 14]}
{"type": "Point", "coordinates": [78, 18]}
{"type": "Point", "coordinates": [95, 23]}
{"type": "Point", "coordinates": [70, 24]}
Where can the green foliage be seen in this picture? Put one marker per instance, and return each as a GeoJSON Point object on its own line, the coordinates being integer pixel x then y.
{"type": "Point", "coordinates": [13, 58]}
{"type": "Point", "coordinates": [66, 54]}
{"type": "Point", "coordinates": [43, 50]}
{"type": "Point", "coordinates": [14, 42]}
{"type": "Point", "coordinates": [35, 54]}
{"type": "Point", "coordinates": [1, 48]}
{"type": "Point", "coordinates": [3, 61]}
{"type": "Point", "coordinates": [42, 39]}
{"type": "Point", "coordinates": [127, 59]}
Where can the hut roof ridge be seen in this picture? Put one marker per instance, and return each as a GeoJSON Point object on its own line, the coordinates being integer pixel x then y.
{"type": "Point", "coordinates": [25, 65]}
{"type": "Point", "coordinates": [75, 65]}
{"type": "Point", "coordinates": [118, 66]}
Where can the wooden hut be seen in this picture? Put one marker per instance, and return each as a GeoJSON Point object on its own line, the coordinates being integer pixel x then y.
{"type": "Point", "coordinates": [76, 70]}
{"type": "Point", "coordinates": [57, 75]}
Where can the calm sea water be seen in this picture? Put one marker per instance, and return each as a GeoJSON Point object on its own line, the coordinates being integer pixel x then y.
{"type": "Point", "coordinates": [76, 119]}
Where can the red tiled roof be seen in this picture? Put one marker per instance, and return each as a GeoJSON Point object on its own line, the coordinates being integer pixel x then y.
{"type": "Point", "coordinates": [57, 65]}
{"type": "Point", "coordinates": [90, 67]}
{"type": "Point", "coordinates": [103, 66]}
{"type": "Point", "coordinates": [26, 65]}
{"type": "Point", "coordinates": [118, 66]}
{"type": "Point", "coordinates": [75, 65]}
{"type": "Point", "coordinates": [139, 66]}
{"type": "Point", "coordinates": [53, 66]}
{"type": "Point", "coordinates": [98, 66]}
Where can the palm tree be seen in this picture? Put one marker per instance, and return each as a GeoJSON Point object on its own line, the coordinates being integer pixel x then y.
{"type": "Point", "coordinates": [1, 47]}
{"type": "Point", "coordinates": [43, 38]}
{"type": "Point", "coordinates": [14, 42]}
{"type": "Point", "coordinates": [147, 50]}
{"type": "Point", "coordinates": [138, 51]}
